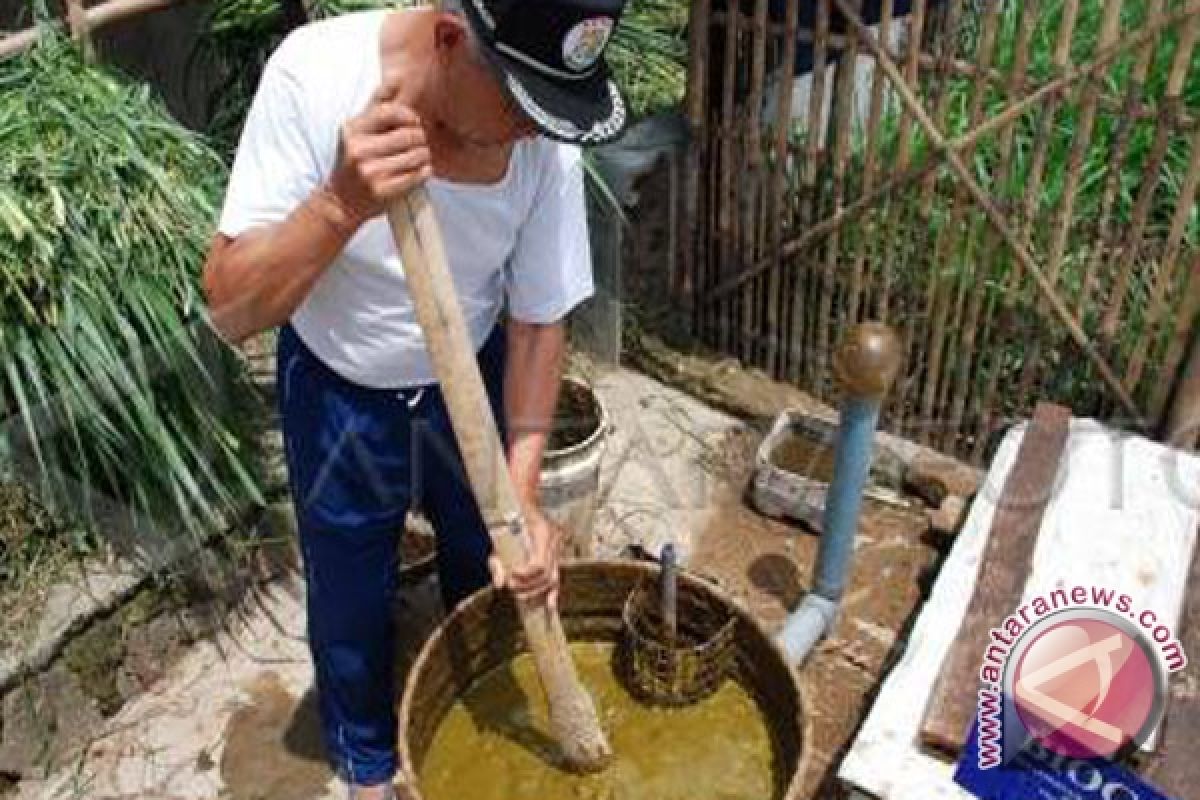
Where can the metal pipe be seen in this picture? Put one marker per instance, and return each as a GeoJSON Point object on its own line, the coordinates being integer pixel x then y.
{"type": "Point", "coordinates": [864, 366]}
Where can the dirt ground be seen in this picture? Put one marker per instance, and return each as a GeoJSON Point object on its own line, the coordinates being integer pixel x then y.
{"type": "Point", "coordinates": [236, 718]}
{"type": "Point", "coordinates": [767, 565]}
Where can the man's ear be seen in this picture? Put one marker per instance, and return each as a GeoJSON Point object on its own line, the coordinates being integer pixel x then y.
{"type": "Point", "coordinates": [449, 33]}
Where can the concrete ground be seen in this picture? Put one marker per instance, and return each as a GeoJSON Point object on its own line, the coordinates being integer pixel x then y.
{"type": "Point", "coordinates": [235, 717]}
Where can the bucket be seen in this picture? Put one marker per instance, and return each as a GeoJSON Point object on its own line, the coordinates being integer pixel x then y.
{"type": "Point", "coordinates": [794, 467]}
{"type": "Point", "coordinates": [484, 633]}
{"type": "Point", "coordinates": [795, 491]}
{"type": "Point", "coordinates": [570, 476]}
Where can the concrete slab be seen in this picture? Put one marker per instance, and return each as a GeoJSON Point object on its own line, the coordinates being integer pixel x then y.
{"type": "Point", "coordinates": [1123, 516]}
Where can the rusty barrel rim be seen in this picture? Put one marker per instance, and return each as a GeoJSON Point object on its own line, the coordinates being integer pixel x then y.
{"type": "Point", "coordinates": [593, 599]}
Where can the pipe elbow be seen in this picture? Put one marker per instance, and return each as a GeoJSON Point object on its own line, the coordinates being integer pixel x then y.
{"type": "Point", "coordinates": [806, 626]}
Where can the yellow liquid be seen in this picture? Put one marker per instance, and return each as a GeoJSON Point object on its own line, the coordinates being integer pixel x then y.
{"type": "Point", "coordinates": [494, 744]}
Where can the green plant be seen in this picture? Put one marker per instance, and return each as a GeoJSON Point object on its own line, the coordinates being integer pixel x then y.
{"type": "Point", "coordinates": [110, 381]}
{"type": "Point", "coordinates": [649, 54]}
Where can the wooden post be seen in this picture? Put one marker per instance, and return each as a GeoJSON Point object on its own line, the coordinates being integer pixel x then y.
{"type": "Point", "coordinates": [1006, 563]}
{"type": "Point", "coordinates": [966, 269]}
{"type": "Point", "coordinates": [1182, 428]}
{"type": "Point", "coordinates": [804, 302]}
{"type": "Point", "coordinates": [696, 159]}
{"type": "Point", "coordinates": [1180, 66]}
{"type": "Point", "coordinates": [1104, 233]}
{"type": "Point", "coordinates": [752, 178]}
{"type": "Point", "coordinates": [860, 289]}
{"type": "Point", "coordinates": [776, 357]}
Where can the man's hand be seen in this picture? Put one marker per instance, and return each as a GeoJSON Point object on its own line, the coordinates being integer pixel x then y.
{"type": "Point", "coordinates": [539, 576]}
{"type": "Point", "coordinates": [382, 154]}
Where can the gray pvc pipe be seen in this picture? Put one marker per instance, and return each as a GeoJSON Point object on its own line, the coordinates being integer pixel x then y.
{"type": "Point", "coordinates": [816, 615]}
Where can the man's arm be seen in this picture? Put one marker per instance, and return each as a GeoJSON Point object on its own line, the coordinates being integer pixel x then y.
{"type": "Point", "coordinates": [532, 375]}
{"type": "Point", "coordinates": [549, 273]}
{"type": "Point", "coordinates": [533, 372]}
{"type": "Point", "coordinates": [256, 280]}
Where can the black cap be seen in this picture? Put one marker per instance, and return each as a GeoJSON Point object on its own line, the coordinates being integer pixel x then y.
{"type": "Point", "coordinates": [550, 54]}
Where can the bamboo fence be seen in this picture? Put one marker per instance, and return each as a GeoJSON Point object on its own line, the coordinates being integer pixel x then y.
{"type": "Point", "coordinates": [1011, 185]}
{"type": "Point", "coordinates": [82, 21]}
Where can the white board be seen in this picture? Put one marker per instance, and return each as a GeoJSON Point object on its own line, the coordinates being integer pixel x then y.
{"type": "Point", "coordinates": [1123, 515]}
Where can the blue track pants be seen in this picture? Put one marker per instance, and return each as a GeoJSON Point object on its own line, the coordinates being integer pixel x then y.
{"type": "Point", "coordinates": [357, 458]}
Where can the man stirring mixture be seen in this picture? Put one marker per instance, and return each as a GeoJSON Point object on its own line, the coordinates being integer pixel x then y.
{"type": "Point", "coordinates": [485, 104]}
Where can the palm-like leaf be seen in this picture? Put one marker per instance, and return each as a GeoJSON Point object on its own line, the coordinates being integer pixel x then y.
{"type": "Point", "coordinates": [106, 210]}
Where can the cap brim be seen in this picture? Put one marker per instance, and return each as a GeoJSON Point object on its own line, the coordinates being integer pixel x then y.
{"type": "Point", "coordinates": [589, 111]}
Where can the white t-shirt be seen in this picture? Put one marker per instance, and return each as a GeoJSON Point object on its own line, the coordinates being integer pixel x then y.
{"type": "Point", "coordinates": [523, 239]}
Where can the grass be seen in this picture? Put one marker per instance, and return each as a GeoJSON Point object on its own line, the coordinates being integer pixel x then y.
{"type": "Point", "coordinates": [110, 374]}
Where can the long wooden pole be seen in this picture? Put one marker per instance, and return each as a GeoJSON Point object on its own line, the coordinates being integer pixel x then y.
{"type": "Point", "coordinates": [994, 215]}
{"type": "Point", "coordinates": [573, 717]}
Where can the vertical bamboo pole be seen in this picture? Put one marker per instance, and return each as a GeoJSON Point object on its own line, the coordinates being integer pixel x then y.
{"type": "Point", "coordinates": [1081, 142]}
{"type": "Point", "coordinates": [1166, 269]}
{"type": "Point", "coordinates": [733, 262]}
{"type": "Point", "coordinates": [993, 349]}
{"type": "Point", "coordinates": [860, 288]}
{"type": "Point", "coordinates": [727, 194]}
{"type": "Point", "coordinates": [843, 112]}
{"type": "Point", "coordinates": [1104, 232]}
{"type": "Point", "coordinates": [898, 208]}
{"type": "Point", "coordinates": [804, 310]}
{"type": "Point", "coordinates": [712, 275]}
{"type": "Point", "coordinates": [752, 177]}
{"type": "Point", "coordinates": [1182, 428]}
{"type": "Point", "coordinates": [1045, 132]}
{"type": "Point", "coordinates": [1185, 322]}
{"type": "Point", "coordinates": [1171, 103]}
{"type": "Point", "coordinates": [792, 291]}
{"type": "Point", "coordinates": [696, 104]}
{"type": "Point", "coordinates": [956, 241]}
{"type": "Point", "coordinates": [912, 63]}
{"type": "Point", "coordinates": [776, 308]}
{"type": "Point", "coordinates": [934, 311]}
{"type": "Point", "coordinates": [911, 75]}
{"type": "Point", "coordinates": [770, 332]}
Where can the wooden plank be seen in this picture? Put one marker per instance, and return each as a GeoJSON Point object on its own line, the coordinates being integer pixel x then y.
{"type": "Point", "coordinates": [1005, 567]}
{"type": "Point", "coordinates": [1114, 520]}
{"type": "Point", "coordinates": [1178, 771]}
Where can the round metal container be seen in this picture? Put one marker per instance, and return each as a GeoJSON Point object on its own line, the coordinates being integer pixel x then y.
{"type": "Point", "coordinates": [484, 632]}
